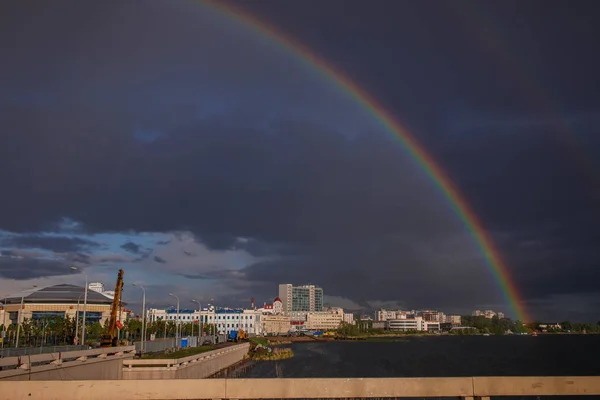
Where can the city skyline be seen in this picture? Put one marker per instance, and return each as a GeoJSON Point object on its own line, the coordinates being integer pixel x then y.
{"type": "Point", "coordinates": [415, 156]}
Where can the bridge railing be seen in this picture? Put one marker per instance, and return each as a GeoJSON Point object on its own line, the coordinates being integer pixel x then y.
{"type": "Point", "coordinates": [30, 361]}
{"type": "Point", "coordinates": [318, 388]}
{"type": "Point", "coordinates": [23, 351]}
{"type": "Point", "coordinates": [184, 361]}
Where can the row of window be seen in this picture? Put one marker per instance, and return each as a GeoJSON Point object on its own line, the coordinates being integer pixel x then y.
{"type": "Point", "coordinates": [219, 317]}
{"type": "Point", "coordinates": [236, 325]}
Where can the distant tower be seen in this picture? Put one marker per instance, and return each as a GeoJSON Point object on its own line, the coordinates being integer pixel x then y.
{"type": "Point", "coordinates": [252, 300]}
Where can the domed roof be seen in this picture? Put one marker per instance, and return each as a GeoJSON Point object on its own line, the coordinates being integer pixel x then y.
{"type": "Point", "coordinates": [277, 299]}
{"type": "Point", "coordinates": [58, 294]}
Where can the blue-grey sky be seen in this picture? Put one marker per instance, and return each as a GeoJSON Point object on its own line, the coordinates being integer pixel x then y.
{"type": "Point", "coordinates": [179, 144]}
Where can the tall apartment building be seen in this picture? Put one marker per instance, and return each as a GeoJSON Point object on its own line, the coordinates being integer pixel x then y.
{"type": "Point", "coordinates": [306, 298]}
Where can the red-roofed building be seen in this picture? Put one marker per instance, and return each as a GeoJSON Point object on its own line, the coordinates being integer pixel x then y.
{"type": "Point", "coordinates": [275, 308]}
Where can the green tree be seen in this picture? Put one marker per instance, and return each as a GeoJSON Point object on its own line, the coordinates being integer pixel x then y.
{"type": "Point", "coordinates": [566, 325]}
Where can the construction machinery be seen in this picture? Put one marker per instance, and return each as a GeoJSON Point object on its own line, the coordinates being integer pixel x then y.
{"type": "Point", "coordinates": [110, 338]}
{"type": "Point", "coordinates": [236, 336]}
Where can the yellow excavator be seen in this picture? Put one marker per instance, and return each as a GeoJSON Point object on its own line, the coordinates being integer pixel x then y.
{"type": "Point", "coordinates": [110, 338]}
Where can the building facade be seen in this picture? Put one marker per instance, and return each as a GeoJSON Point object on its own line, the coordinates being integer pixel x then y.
{"type": "Point", "coordinates": [59, 301]}
{"type": "Point", "coordinates": [306, 298]}
{"type": "Point", "coordinates": [487, 314]}
{"type": "Point", "coordinates": [325, 320]}
{"type": "Point", "coordinates": [274, 324]}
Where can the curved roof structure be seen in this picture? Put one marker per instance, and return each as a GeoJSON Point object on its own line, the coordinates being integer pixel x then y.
{"type": "Point", "coordinates": [58, 294]}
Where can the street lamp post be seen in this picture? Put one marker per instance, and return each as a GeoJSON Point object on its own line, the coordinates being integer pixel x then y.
{"type": "Point", "coordinates": [77, 316]}
{"type": "Point", "coordinates": [177, 325]}
{"type": "Point", "coordinates": [4, 312]}
{"type": "Point", "coordinates": [199, 321]}
{"type": "Point", "coordinates": [19, 318]}
{"type": "Point", "coordinates": [143, 348]}
{"type": "Point", "coordinates": [19, 321]}
{"type": "Point", "coordinates": [84, 305]}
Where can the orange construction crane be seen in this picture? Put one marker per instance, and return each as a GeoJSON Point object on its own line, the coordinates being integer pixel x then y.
{"type": "Point", "coordinates": [110, 339]}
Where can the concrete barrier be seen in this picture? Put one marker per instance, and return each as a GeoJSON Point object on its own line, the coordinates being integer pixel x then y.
{"type": "Point", "coordinates": [99, 364]}
{"type": "Point", "coordinates": [197, 366]}
{"type": "Point", "coordinates": [478, 387]}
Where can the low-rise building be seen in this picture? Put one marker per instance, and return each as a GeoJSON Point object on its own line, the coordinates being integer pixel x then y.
{"type": "Point", "coordinates": [235, 319]}
{"type": "Point", "coordinates": [487, 314]}
{"type": "Point", "coordinates": [406, 324]}
{"type": "Point", "coordinates": [453, 319]}
{"type": "Point", "coordinates": [349, 318]}
{"type": "Point", "coordinates": [326, 320]}
{"type": "Point", "coordinates": [271, 324]}
{"type": "Point", "coordinates": [59, 301]}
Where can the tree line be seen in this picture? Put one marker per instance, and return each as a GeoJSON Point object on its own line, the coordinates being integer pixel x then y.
{"type": "Point", "coordinates": [58, 331]}
{"type": "Point", "coordinates": [478, 325]}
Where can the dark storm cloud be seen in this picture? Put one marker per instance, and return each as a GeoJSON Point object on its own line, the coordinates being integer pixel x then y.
{"type": "Point", "coordinates": [169, 129]}
{"type": "Point", "coordinates": [23, 268]}
{"type": "Point", "coordinates": [131, 247]}
{"type": "Point", "coordinates": [216, 274]}
{"type": "Point", "coordinates": [59, 244]}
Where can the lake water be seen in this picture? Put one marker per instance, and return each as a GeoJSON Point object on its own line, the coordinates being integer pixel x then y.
{"type": "Point", "coordinates": [441, 356]}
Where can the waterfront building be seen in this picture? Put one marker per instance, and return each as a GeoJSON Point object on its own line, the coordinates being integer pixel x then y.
{"type": "Point", "coordinates": [349, 318]}
{"type": "Point", "coordinates": [59, 301]}
{"type": "Point", "coordinates": [487, 314]}
{"type": "Point", "coordinates": [431, 316]}
{"type": "Point", "coordinates": [406, 324]}
{"type": "Point", "coordinates": [325, 320]}
{"type": "Point", "coordinates": [234, 319]}
{"type": "Point", "coordinates": [271, 324]}
{"type": "Point", "coordinates": [455, 320]}
{"type": "Point", "coordinates": [307, 298]}
{"type": "Point", "coordinates": [385, 315]}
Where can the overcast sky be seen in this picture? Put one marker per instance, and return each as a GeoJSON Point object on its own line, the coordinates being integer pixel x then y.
{"type": "Point", "coordinates": [181, 145]}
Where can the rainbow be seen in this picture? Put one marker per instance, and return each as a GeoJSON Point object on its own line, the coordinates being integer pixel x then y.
{"type": "Point", "coordinates": [426, 162]}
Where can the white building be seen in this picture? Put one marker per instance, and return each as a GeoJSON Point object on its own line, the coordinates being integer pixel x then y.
{"type": "Point", "coordinates": [232, 320]}
{"type": "Point", "coordinates": [274, 308]}
{"type": "Point", "coordinates": [226, 320]}
{"type": "Point", "coordinates": [386, 315]}
{"type": "Point", "coordinates": [406, 324]}
{"type": "Point", "coordinates": [98, 287]}
{"type": "Point", "coordinates": [487, 314]}
{"type": "Point", "coordinates": [349, 318]}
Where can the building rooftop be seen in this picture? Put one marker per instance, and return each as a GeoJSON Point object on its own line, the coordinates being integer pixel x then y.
{"type": "Point", "coordinates": [58, 294]}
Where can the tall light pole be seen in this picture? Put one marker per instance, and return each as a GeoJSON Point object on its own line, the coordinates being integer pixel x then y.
{"type": "Point", "coordinates": [84, 304]}
{"type": "Point", "coordinates": [143, 317]}
{"type": "Point", "coordinates": [199, 321]}
{"type": "Point", "coordinates": [77, 316]}
{"type": "Point", "coordinates": [19, 318]}
{"type": "Point", "coordinates": [177, 324]}
{"type": "Point", "coordinates": [214, 329]}
{"type": "Point", "coordinates": [4, 321]}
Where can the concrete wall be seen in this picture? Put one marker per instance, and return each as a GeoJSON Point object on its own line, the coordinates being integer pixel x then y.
{"type": "Point", "coordinates": [193, 367]}
{"type": "Point", "coordinates": [97, 364]}
{"type": "Point", "coordinates": [96, 369]}
{"type": "Point", "coordinates": [300, 388]}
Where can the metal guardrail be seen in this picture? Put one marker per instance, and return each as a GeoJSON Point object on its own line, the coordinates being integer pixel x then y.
{"type": "Point", "coordinates": [23, 351]}
{"type": "Point", "coordinates": [322, 388]}
{"type": "Point", "coordinates": [182, 362]}
{"type": "Point", "coordinates": [157, 345]}
{"type": "Point", "coordinates": [34, 360]}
